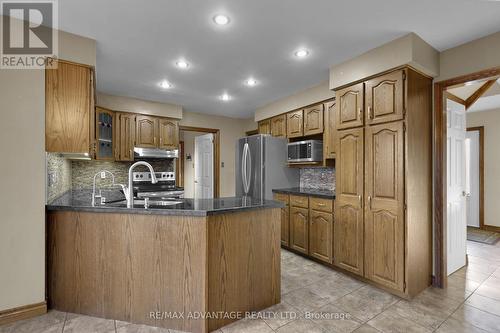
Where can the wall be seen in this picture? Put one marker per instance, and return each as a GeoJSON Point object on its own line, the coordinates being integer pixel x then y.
{"type": "Point", "coordinates": [305, 97]}
{"type": "Point", "coordinates": [188, 138]}
{"type": "Point", "coordinates": [491, 122]}
{"type": "Point", "coordinates": [318, 178]}
{"type": "Point", "coordinates": [134, 105]}
{"type": "Point", "coordinates": [480, 54]}
{"type": "Point", "coordinates": [231, 130]}
{"type": "Point", "coordinates": [407, 50]}
{"type": "Point", "coordinates": [22, 137]}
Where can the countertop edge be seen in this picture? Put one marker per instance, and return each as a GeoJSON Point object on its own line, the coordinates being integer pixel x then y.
{"type": "Point", "coordinates": [310, 194]}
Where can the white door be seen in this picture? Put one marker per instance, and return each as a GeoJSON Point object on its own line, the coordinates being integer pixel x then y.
{"type": "Point", "coordinates": [456, 174]}
{"type": "Point", "coordinates": [472, 184]}
{"type": "Point", "coordinates": [204, 166]}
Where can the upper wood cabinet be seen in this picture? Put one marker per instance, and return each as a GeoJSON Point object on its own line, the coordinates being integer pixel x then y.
{"type": "Point", "coordinates": [124, 136]}
{"type": "Point", "coordinates": [384, 211]}
{"type": "Point", "coordinates": [278, 126]}
{"type": "Point", "coordinates": [299, 229]}
{"type": "Point", "coordinates": [329, 137]}
{"type": "Point", "coordinates": [105, 134]}
{"type": "Point", "coordinates": [384, 98]}
{"type": "Point", "coordinates": [320, 235]}
{"type": "Point", "coordinates": [265, 126]}
{"type": "Point", "coordinates": [295, 124]}
{"type": "Point", "coordinates": [350, 106]}
{"type": "Point", "coordinates": [349, 222]}
{"type": "Point", "coordinates": [69, 108]}
{"type": "Point", "coordinates": [169, 133]}
{"type": "Point", "coordinates": [313, 120]}
{"type": "Point", "coordinates": [146, 131]}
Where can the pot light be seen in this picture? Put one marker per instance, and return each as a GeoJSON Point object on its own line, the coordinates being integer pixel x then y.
{"type": "Point", "coordinates": [182, 64]}
{"type": "Point", "coordinates": [301, 53]}
{"type": "Point", "coordinates": [220, 19]}
{"type": "Point", "coordinates": [225, 97]}
{"type": "Point", "coordinates": [165, 84]}
{"type": "Point", "coordinates": [251, 82]}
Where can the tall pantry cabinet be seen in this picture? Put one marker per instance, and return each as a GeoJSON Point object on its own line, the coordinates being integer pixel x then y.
{"type": "Point", "coordinates": [382, 227]}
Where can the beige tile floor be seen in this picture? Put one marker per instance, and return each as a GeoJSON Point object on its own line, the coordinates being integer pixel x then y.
{"type": "Point", "coordinates": [318, 299]}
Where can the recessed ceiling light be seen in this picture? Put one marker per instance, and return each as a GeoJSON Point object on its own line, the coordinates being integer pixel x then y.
{"type": "Point", "coordinates": [221, 19]}
{"type": "Point", "coordinates": [301, 53]}
{"type": "Point", "coordinates": [165, 84]}
{"type": "Point", "coordinates": [182, 64]}
{"type": "Point", "coordinates": [251, 82]}
{"type": "Point", "coordinates": [225, 97]}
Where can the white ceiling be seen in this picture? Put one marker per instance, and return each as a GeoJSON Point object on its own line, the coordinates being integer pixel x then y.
{"type": "Point", "coordinates": [138, 42]}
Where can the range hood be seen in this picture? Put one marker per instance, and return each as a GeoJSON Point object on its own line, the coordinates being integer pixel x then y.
{"type": "Point", "coordinates": [155, 153]}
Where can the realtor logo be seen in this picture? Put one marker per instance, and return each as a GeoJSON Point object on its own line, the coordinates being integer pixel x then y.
{"type": "Point", "coordinates": [29, 34]}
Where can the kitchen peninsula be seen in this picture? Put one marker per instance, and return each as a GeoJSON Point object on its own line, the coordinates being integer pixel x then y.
{"type": "Point", "coordinates": [194, 266]}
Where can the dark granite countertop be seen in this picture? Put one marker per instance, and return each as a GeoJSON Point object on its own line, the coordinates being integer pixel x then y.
{"type": "Point", "coordinates": [307, 191]}
{"type": "Point", "coordinates": [80, 200]}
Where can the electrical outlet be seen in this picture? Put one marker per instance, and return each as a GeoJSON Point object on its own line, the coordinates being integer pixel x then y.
{"type": "Point", "coordinates": [51, 178]}
{"type": "Point", "coordinates": [103, 175]}
{"type": "Point", "coordinates": [221, 164]}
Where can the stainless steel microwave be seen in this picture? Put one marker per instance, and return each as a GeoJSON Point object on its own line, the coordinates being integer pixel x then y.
{"type": "Point", "coordinates": [305, 151]}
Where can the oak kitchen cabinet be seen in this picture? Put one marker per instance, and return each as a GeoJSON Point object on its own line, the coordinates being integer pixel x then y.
{"type": "Point", "coordinates": [124, 139]}
{"type": "Point", "coordinates": [69, 108]}
{"type": "Point", "coordinates": [285, 218]}
{"type": "Point", "coordinates": [329, 136]}
{"type": "Point", "coordinates": [105, 133]}
{"type": "Point", "coordinates": [265, 126]}
{"type": "Point", "coordinates": [156, 132]}
{"type": "Point", "coordinates": [310, 225]}
{"type": "Point", "coordinates": [295, 124]}
{"type": "Point", "coordinates": [383, 214]}
{"type": "Point", "coordinates": [278, 126]}
{"type": "Point", "coordinates": [169, 133]}
{"type": "Point", "coordinates": [313, 120]}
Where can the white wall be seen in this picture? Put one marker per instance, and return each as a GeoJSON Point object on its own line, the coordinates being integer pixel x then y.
{"type": "Point", "coordinates": [22, 199]}
{"type": "Point", "coordinates": [134, 105]}
{"type": "Point", "coordinates": [491, 122]}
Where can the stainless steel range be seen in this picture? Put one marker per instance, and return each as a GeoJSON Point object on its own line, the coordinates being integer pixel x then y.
{"type": "Point", "coordinates": [165, 188]}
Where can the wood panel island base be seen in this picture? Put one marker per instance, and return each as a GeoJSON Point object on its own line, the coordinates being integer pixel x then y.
{"type": "Point", "coordinates": [184, 272]}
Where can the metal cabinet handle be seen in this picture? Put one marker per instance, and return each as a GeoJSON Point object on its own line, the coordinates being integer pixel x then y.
{"type": "Point", "coordinates": [370, 112]}
{"type": "Point", "coordinates": [360, 113]}
{"type": "Point", "coordinates": [360, 198]}
{"type": "Point", "coordinates": [320, 204]}
{"type": "Point", "coordinates": [370, 202]}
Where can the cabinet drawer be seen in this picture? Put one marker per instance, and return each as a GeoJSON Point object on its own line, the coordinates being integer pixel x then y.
{"type": "Point", "coordinates": [322, 205]}
{"type": "Point", "coordinates": [281, 197]}
{"type": "Point", "coordinates": [299, 201]}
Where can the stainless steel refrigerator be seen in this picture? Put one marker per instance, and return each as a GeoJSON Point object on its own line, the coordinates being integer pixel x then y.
{"type": "Point", "coordinates": [261, 166]}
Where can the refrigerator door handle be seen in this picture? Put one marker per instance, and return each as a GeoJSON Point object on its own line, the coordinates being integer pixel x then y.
{"type": "Point", "coordinates": [249, 174]}
{"type": "Point", "coordinates": [244, 167]}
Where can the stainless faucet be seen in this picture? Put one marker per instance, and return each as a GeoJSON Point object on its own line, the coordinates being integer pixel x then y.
{"type": "Point", "coordinates": [129, 191]}
{"type": "Point", "coordinates": [113, 184]}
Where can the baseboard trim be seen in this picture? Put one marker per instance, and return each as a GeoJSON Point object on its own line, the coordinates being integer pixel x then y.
{"type": "Point", "coordinates": [22, 312]}
{"type": "Point", "coordinates": [491, 228]}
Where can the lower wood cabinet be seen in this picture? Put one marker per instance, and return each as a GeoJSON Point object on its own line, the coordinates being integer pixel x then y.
{"type": "Point", "coordinates": [320, 235]}
{"type": "Point", "coordinates": [309, 221]}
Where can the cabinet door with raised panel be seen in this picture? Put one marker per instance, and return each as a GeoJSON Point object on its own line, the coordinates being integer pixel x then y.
{"type": "Point", "coordinates": [105, 133]}
{"type": "Point", "coordinates": [329, 142]}
{"type": "Point", "coordinates": [350, 106]}
{"type": "Point", "coordinates": [320, 235]}
{"type": "Point", "coordinates": [295, 124]}
{"type": "Point", "coordinates": [285, 218]}
{"type": "Point", "coordinates": [146, 131]}
{"type": "Point", "coordinates": [169, 133]}
{"type": "Point", "coordinates": [125, 137]}
{"type": "Point", "coordinates": [299, 229]}
{"type": "Point", "coordinates": [385, 98]}
{"type": "Point", "coordinates": [69, 109]}
{"type": "Point", "coordinates": [265, 126]}
{"type": "Point", "coordinates": [349, 227]}
{"type": "Point", "coordinates": [313, 120]}
{"type": "Point", "coordinates": [278, 126]}
{"type": "Point", "coordinates": [384, 211]}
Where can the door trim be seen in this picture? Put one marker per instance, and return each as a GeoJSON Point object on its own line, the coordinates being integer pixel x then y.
{"type": "Point", "coordinates": [439, 169]}
{"type": "Point", "coordinates": [216, 133]}
{"type": "Point", "coordinates": [480, 129]}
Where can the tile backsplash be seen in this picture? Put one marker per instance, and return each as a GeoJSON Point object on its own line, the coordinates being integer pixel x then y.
{"type": "Point", "coordinates": [64, 175]}
{"type": "Point", "coordinates": [318, 178]}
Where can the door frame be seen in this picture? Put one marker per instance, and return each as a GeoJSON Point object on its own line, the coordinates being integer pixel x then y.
{"type": "Point", "coordinates": [216, 133]}
{"type": "Point", "coordinates": [480, 129]}
{"type": "Point", "coordinates": [439, 169]}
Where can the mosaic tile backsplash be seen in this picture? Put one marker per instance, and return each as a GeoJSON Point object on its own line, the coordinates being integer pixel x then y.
{"type": "Point", "coordinates": [318, 178]}
{"type": "Point", "coordinates": [64, 175]}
